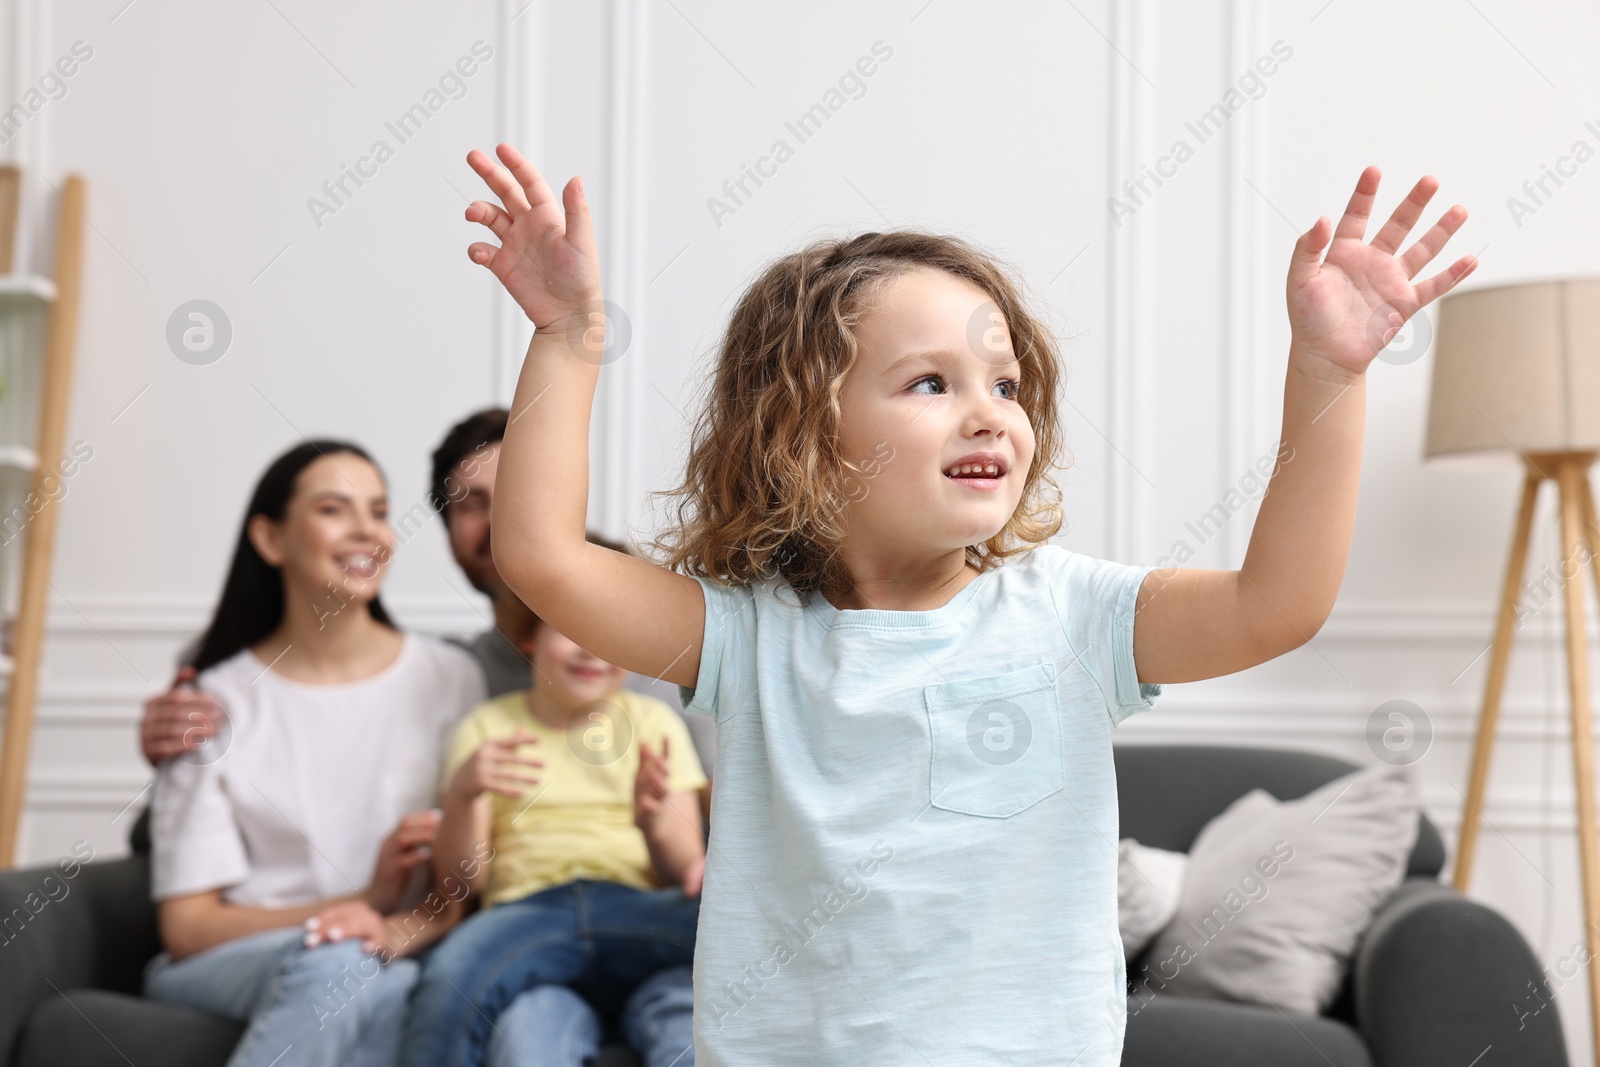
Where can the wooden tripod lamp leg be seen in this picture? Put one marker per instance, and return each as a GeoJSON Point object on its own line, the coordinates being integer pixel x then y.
{"type": "Point", "coordinates": [1591, 526]}
{"type": "Point", "coordinates": [1500, 654]}
{"type": "Point", "coordinates": [1575, 522]}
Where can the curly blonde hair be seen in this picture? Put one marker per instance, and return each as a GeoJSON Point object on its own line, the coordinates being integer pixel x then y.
{"type": "Point", "coordinates": [761, 492]}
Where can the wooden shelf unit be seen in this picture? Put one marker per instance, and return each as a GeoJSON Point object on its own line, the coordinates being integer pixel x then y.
{"type": "Point", "coordinates": [38, 340]}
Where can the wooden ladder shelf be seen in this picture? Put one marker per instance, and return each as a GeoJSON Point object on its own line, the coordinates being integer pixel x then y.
{"type": "Point", "coordinates": [60, 340]}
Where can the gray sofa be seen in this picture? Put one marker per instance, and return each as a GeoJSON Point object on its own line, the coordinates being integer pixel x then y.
{"type": "Point", "coordinates": [1435, 981]}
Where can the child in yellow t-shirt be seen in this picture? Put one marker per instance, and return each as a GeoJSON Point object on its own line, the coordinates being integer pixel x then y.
{"type": "Point", "coordinates": [584, 795]}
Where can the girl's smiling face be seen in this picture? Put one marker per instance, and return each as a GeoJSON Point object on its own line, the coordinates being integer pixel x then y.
{"type": "Point", "coordinates": [934, 387]}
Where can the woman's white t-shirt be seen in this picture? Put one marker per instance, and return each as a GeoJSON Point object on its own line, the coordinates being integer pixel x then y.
{"type": "Point", "coordinates": [290, 802]}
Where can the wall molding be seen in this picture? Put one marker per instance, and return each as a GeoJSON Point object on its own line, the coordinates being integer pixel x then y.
{"type": "Point", "coordinates": [521, 122]}
{"type": "Point", "coordinates": [619, 399]}
{"type": "Point", "coordinates": [93, 788]}
{"type": "Point", "coordinates": [1241, 356]}
{"type": "Point", "coordinates": [1127, 129]}
{"type": "Point", "coordinates": [86, 788]}
{"type": "Point", "coordinates": [1287, 718]}
{"type": "Point", "coordinates": [1352, 621]}
{"type": "Point", "coordinates": [1326, 726]}
{"type": "Point", "coordinates": [182, 617]}
{"type": "Point", "coordinates": [27, 41]}
{"type": "Point", "coordinates": [1255, 714]}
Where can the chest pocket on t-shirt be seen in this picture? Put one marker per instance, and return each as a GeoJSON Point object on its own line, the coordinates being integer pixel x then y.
{"type": "Point", "coordinates": [996, 742]}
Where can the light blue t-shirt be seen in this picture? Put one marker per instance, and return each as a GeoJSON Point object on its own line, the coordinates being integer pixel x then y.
{"type": "Point", "coordinates": [913, 855]}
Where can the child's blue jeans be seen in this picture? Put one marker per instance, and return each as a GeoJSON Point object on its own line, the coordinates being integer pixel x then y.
{"type": "Point", "coordinates": [551, 1026]}
{"type": "Point", "coordinates": [601, 939]}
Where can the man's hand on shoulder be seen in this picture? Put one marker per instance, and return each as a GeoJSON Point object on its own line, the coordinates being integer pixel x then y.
{"type": "Point", "coordinates": [180, 720]}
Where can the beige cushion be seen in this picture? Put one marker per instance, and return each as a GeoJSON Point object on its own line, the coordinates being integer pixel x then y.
{"type": "Point", "coordinates": [1278, 893]}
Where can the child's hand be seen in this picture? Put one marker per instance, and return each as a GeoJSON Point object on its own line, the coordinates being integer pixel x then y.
{"type": "Point", "coordinates": [1346, 308]}
{"type": "Point", "coordinates": [650, 785]}
{"type": "Point", "coordinates": [694, 878]}
{"type": "Point", "coordinates": [494, 768]}
{"type": "Point", "coordinates": [409, 844]}
{"type": "Point", "coordinates": [546, 258]}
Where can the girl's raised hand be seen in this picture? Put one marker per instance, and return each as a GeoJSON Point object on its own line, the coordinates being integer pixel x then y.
{"type": "Point", "coordinates": [546, 258]}
{"type": "Point", "coordinates": [1344, 309]}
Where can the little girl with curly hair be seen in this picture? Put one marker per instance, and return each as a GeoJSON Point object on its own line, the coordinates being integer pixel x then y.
{"type": "Point", "coordinates": [914, 828]}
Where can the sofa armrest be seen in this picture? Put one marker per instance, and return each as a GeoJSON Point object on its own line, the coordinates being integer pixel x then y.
{"type": "Point", "coordinates": [96, 929]}
{"type": "Point", "coordinates": [1439, 978]}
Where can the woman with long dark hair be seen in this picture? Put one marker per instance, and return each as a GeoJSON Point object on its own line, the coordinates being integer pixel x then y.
{"type": "Point", "coordinates": [319, 790]}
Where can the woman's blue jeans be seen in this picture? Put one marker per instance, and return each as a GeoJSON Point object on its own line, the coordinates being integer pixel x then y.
{"type": "Point", "coordinates": [600, 939]}
{"type": "Point", "coordinates": [333, 1005]}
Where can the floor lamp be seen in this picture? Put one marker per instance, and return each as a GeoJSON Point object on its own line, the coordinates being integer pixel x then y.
{"type": "Point", "coordinates": [1517, 367]}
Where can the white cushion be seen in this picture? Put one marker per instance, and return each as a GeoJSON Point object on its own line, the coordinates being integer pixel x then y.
{"type": "Point", "coordinates": [1149, 887]}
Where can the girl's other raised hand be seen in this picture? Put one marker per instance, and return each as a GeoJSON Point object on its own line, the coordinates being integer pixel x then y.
{"type": "Point", "coordinates": [1344, 309]}
{"type": "Point", "coordinates": [546, 258]}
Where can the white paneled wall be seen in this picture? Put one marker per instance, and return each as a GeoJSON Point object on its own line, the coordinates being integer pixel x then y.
{"type": "Point", "coordinates": [204, 129]}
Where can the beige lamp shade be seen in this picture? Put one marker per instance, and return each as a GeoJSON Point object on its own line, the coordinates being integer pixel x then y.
{"type": "Point", "coordinates": [1517, 368]}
